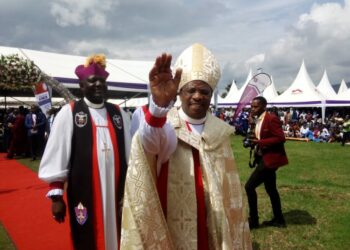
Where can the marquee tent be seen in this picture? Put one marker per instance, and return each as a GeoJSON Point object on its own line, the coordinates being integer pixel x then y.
{"type": "Point", "coordinates": [301, 93]}
{"type": "Point", "coordinates": [325, 87]}
{"type": "Point", "coordinates": [341, 100]}
{"type": "Point", "coordinates": [15, 101]}
{"type": "Point", "coordinates": [231, 93]}
{"type": "Point", "coordinates": [342, 87]}
{"type": "Point", "coordinates": [127, 78]}
{"type": "Point", "coordinates": [233, 100]}
{"type": "Point", "coordinates": [270, 92]}
{"type": "Point", "coordinates": [133, 102]}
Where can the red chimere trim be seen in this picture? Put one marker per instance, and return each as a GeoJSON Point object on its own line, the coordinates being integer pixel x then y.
{"type": "Point", "coordinates": [202, 228]}
{"type": "Point", "coordinates": [71, 104]}
{"type": "Point", "coordinates": [188, 126]}
{"type": "Point", "coordinates": [117, 106]}
{"type": "Point", "coordinates": [116, 172]}
{"type": "Point", "coordinates": [97, 213]}
{"type": "Point", "coordinates": [153, 121]}
{"type": "Point", "coordinates": [56, 185]}
{"type": "Point", "coordinates": [162, 187]}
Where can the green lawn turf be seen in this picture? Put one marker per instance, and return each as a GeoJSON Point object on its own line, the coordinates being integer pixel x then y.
{"type": "Point", "coordinates": [315, 195]}
{"type": "Point", "coordinates": [5, 242]}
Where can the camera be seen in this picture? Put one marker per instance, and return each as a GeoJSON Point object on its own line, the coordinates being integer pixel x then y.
{"type": "Point", "coordinates": [247, 143]}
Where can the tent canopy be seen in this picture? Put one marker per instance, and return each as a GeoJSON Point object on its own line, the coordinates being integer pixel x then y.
{"type": "Point", "coordinates": [325, 87]}
{"type": "Point", "coordinates": [342, 87]}
{"type": "Point", "coordinates": [231, 93]}
{"type": "Point", "coordinates": [126, 79]}
{"type": "Point", "coordinates": [270, 92]}
{"type": "Point", "coordinates": [301, 93]}
{"type": "Point", "coordinates": [342, 99]}
{"type": "Point", "coordinates": [232, 99]}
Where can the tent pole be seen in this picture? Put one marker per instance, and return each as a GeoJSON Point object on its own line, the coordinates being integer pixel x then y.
{"type": "Point", "coordinates": [5, 99]}
{"type": "Point", "coordinates": [323, 112]}
{"type": "Point", "coordinates": [216, 99]}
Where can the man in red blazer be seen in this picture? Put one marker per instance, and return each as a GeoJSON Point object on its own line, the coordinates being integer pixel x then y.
{"type": "Point", "coordinates": [269, 155]}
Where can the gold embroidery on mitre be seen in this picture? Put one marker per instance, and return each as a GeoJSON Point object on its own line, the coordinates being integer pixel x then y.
{"type": "Point", "coordinates": [198, 63]}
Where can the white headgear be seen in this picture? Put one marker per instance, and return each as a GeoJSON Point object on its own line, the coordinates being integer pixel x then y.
{"type": "Point", "coordinates": [198, 63]}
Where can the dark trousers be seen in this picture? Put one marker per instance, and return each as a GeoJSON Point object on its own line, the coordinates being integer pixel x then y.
{"type": "Point", "coordinates": [268, 177]}
{"type": "Point", "coordinates": [346, 136]}
{"type": "Point", "coordinates": [34, 145]}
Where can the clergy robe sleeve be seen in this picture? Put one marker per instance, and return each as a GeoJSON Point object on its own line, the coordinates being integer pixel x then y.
{"type": "Point", "coordinates": [157, 139]}
{"type": "Point", "coordinates": [54, 164]}
{"type": "Point", "coordinates": [135, 120]}
{"type": "Point", "coordinates": [127, 135]}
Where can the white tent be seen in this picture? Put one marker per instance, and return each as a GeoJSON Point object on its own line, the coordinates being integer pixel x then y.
{"type": "Point", "coordinates": [232, 100]}
{"type": "Point", "coordinates": [341, 100]}
{"type": "Point", "coordinates": [15, 101]}
{"type": "Point", "coordinates": [325, 87]}
{"type": "Point", "coordinates": [231, 94]}
{"type": "Point", "coordinates": [270, 92]}
{"type": "Point", "coordinates": [301, 93]}
{"type": "Point", "coordinates": [134, 102]}
{"type": "Point", "coordinates": [342, 87]}
{"type": "Point", "coordinates": [345, 95]}
{"type": "Point", "coordinates": [125, 75]}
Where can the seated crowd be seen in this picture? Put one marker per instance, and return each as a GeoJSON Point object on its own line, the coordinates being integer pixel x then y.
{"type": "Point", "coordinates": [304, 124]}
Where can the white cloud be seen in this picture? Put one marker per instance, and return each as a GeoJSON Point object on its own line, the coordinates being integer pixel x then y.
{"type": "Point", "coordinates": [320, 37]}
{"type": "Point", "coordinates": [255, 61]}
{"type": "Point", "coordinates": [330, 19]}
{"type": "Point", "coordinates": [88, 12]}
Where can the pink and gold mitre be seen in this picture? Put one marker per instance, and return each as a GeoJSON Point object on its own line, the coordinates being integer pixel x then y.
{"type": "Point", "coordinates": [95, 65]}
{"type": "Point", "coordinates": [198, 63]}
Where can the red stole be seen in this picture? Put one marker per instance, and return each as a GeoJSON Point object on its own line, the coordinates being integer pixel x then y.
{"type": "Point", "coordinates": [162, 185]}
{"type": "Point", "coordinates": [96, 186]}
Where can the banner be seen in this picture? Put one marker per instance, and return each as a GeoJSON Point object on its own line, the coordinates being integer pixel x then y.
{"type": "Point", "coordinates": [255, 87]}
{"type": "Point", "coordinates": [42, 96]}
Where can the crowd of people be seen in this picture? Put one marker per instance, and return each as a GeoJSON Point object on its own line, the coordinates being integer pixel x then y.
{"type": "Point", "coordinates": [24, 131]}
{"type": "Point", "coordinates": [299, 123]}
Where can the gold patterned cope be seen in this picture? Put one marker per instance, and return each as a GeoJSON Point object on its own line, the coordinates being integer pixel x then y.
{"type": "Point", "coordinates": [198, 63]}
{"type": "Point", "coordinates": [144, 225]}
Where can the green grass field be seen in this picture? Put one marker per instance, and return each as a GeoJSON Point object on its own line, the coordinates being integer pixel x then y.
{"type": "Point", "coordinates": [315, 195]}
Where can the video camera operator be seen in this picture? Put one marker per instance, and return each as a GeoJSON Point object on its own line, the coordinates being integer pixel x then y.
{"type": "Point", "coordinates": [267, 139]}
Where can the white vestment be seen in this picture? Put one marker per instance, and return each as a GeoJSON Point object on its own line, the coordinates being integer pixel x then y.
{"type": "Point", "coordinates": [144, 225]}
{"type": "Point", "coordinates": [54, 165]}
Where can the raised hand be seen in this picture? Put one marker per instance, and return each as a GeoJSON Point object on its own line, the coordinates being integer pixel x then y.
{"type": "Point", "coordinates": [162, 83]}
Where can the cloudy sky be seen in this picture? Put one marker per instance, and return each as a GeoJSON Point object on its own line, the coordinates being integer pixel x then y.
{"type": "Point", "coordinates": [275, 35]}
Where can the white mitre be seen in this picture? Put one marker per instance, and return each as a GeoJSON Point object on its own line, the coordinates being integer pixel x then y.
{"type": "Point", "coordinates": [198, 63]}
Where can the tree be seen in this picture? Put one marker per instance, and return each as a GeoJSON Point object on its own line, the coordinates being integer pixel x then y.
{"type": "Point", "coordinates": [227, 89]}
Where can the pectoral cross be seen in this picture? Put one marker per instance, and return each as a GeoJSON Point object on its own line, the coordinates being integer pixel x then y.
{"type": "Point", "coordinates": [105, 149]}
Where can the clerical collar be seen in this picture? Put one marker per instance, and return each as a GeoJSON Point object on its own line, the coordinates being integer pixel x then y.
{"type": "Point", "coordinates": [94, 105]}
{"type": "Point", "coordinates": [191, 120]}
